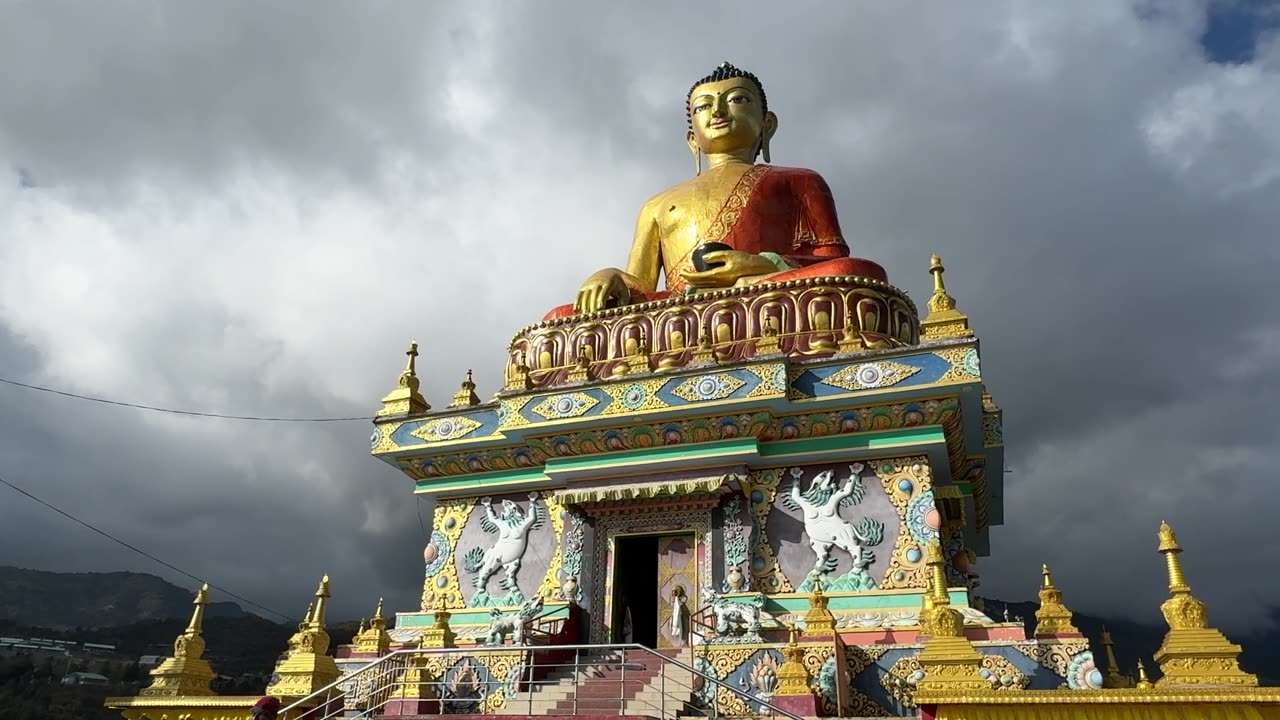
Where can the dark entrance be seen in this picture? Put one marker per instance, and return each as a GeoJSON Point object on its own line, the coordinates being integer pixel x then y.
{"type": "Point", "coordinates": [634, 587]}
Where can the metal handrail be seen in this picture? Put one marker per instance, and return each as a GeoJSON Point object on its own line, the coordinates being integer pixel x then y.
{"type": "Point", "coordinates": [324, 695]}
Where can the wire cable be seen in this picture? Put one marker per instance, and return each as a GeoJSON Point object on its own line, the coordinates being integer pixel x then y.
{"type": "Point", "coordinates": [144, 553]}
{"type": "Point", "coordinates": [191, 413]}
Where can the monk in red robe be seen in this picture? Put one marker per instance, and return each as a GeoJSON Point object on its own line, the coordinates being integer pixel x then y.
{"type": "Point", "coordinates": [775, 223]}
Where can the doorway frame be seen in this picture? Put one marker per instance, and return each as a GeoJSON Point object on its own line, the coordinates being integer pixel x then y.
{"type": "Point", "coordinates": [638, 521]}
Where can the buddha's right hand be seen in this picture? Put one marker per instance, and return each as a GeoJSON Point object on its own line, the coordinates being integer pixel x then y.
{"type": "Point", "coordinates": [603, 289]}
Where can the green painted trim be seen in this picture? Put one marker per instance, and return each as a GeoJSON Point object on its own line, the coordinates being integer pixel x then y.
{"type": "Point", "coordinates": [862, 601]}
{"type": "Point", "coordinates": [741, 449]}
{"type": "Point", "coordinates": [737, 446]}
{"type": "Point", "coordinates": [469, 616]}
{"type": "Point", "coordinates": [467, 482]}
{"type": "Point", "coordinates": [879, 440]}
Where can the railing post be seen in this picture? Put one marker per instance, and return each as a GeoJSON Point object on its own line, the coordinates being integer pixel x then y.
{"type": "Point", "coordinates": [622, 685]}
{"type": "Point", "coordinates": [663, 709]}
{"type": "Point", "coordinates": [531, 671]}
{"type": "Point", "coordinates": [576, 653]}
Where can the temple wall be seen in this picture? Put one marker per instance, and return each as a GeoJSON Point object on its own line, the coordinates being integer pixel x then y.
{"type": "Point", "coordinates": [872, 517]}
{"type": "Point", "coordinates": [875, 533]}
{"type": "Point", "coordinates": [494, 550]}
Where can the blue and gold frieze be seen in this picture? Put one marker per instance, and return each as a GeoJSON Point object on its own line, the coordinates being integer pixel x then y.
{"type": "Point", "coordinates": [945, 366]}
{"type": "Point", "coordinates": [474, 424]}
{"type": "Point", "coordinates": [715, 387]}
{"type": "Point", "coordinates": [767, 384]}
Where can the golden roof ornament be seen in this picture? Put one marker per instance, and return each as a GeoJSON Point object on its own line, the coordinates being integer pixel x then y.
{"type": "Point", "coordinates": [1053, 617]}
{"type": "Point", "coordinates": [818, 620]}
{"type": "Point", "coordinates": [1144, 683]}
{"type": "Point", "coordinates": [937, 617]}
{"type": "Point", "coordinates": [374, 638]}
{"type": "Point", "coordinates": [949, 660]}
{"type": "Point", "coordinates": [187, 672]}
{"type": "Point", "coordinates": [1192, 652]}
{"type": "Point", "coordinates": [439, 634]}
{"type": "Point", "coordinates": [793, 676]}
{"type": "Point", "coordinates": [466, 396]}
{"type": "Point", "coordinates": [1113, 678]}
{"type": "Point", "coordinates": [306, 665]}
{"type": "Point", "coordinates": [944, 321]}
{"type": "Point", "coordinates": [405, 399]}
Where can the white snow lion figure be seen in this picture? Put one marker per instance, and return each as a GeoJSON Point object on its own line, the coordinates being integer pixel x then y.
{"type": "Point", "coordinates": [734, 615]}
{"type": "Point", "coordinates": [513, 528]}
{"type": "Point", "coordinates": [820, 508]}
{"type": "Point", "coordinates": [516, 623]}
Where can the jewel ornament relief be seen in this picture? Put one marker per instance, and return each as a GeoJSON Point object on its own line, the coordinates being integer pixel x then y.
{"type": "Point", "coordinates": [869, 376]}
{"type": "Point", "coordinates": [445, 429]}
{"type": "Point", "coordinates": [708, 387]}
{"type": "Point", "coordinates": [568, 405]}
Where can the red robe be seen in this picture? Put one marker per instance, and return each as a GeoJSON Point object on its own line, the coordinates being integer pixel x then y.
{"type": "Point", "coordinates": [787, 211]}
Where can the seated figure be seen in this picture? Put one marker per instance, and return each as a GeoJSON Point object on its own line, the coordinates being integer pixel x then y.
{"type": "Point", "coordinates": [735, 223]}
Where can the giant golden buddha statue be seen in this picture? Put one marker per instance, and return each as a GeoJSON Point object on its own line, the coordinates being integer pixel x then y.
{"type": "Point", "coordinates": [736, 222]}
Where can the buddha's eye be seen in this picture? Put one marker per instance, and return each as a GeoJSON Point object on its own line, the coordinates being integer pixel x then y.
{"type": "Point", "coordinates": [701, 106]}
{"type": "Point", "coordinates": [739, 99]}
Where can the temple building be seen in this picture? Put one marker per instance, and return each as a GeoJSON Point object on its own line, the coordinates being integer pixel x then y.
{"type": "Point", "coordinates": [754, 467]}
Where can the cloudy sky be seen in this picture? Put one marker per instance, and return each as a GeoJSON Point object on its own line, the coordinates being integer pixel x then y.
{"type": "Point", "coordinates": [250, 208]}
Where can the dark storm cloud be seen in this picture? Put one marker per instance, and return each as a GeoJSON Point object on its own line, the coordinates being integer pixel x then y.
{"type": "Point", "coordinates": [1104, 198]}
{"type": "Point", "coordinates": [96, 92]}
{"type": "Point", "coordinates": [208, 506]}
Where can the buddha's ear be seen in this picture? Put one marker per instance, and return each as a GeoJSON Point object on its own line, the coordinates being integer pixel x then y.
{"type": "Point", "coordinates": [770, 125]}
{"type": "Point", "coordinates": [697, 152]}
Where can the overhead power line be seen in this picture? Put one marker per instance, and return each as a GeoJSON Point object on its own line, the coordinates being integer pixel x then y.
{"type": "Point", "coordinates": [190, 413]}
{"type": "Point", "coordinates": [144, 553]}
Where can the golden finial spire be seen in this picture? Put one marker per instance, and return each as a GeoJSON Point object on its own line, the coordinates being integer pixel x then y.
{"type": "Point", "coordinates": [1113, 678]}
{"type": "Point", "coordinates": [374, 639]}
{"type": "Point", "coordinates": [937, 575]}
{"type": "Point", "coordinates": [362, 628]}
{"type": "Point", "coordinates": [322, 595]}
{"type": "Point", "coordinates": [197, 616]}
{"type": "Point", "coordinates": [1144, 683]}
{"type": "Point", "coordinates": [949, 660]}
{"type": "Point", "coordinates": [187, 672]}
{"type": "Point", "coordinates": [1170, 548]}
{"type": "Point", "coordinates": [793, 676]}
{"type": "Point", "coordinates": [1192, 652]}
{"type": "Point", "coordinates": [466, 397]}
{"type": "Point", "coordinates": [306, 665]}
{"type": "Point", "coordinates": [818, 620]}
{"type": "Point", "coordinates": [405, 399]}
{"type": "Point", "coordinates": [439, 635]}
{"type": "Point", "coordinates": [944, 321]}
{"type": "Point", "coordinates": [1053, 617]}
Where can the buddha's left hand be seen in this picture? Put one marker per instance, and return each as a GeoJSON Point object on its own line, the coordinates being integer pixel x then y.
{"type": "Point", "coordinates": [737, 264]}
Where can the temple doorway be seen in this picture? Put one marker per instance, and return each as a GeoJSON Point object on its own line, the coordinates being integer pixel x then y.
{"type": "Point", "coordinates": [635, 607]}
{"type": "Point", "coordinates": [655, 582]}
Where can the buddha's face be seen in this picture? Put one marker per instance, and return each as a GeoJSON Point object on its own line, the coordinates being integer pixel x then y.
{"type": "Point", "coordinates": [727, 116]}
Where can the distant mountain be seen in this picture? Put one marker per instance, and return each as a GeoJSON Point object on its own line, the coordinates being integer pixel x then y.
{"type": "Point", "coordinates": [69, 600]}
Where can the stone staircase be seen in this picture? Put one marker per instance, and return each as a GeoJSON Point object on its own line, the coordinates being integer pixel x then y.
{"type": "Point", "coordinates": [634, 684]}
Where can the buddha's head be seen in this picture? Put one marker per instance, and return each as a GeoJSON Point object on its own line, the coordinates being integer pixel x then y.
{"type": "Point", "coordinates": [728, 113]}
